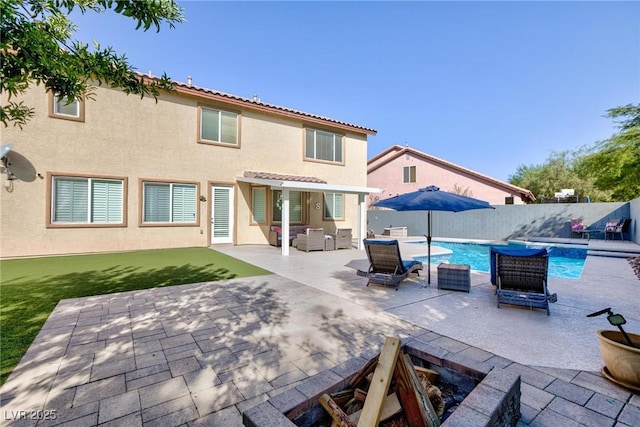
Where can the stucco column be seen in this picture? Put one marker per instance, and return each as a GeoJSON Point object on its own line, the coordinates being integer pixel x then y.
{"type": "Point", "coordinates": [285, 222]}
{"type": "Point", "coordinates": [362, 220]}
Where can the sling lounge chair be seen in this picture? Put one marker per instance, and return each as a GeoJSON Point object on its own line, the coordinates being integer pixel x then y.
{"type": "Point", "coordinates": [386, 266]}
{"type": "Point", "coordinates": [611, 226]}
{"type": "Point", "coordinates": [521, 277]}
{"type": "Point", "coordinates": [577, 227]}
{"type": "Point", "coordinates": [621, 229]}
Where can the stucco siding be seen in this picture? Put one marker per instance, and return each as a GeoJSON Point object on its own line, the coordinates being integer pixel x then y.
{"type": "Point", "coordinates": [390, 177]}
{"type": "Point", "coordinates": [141, 139]}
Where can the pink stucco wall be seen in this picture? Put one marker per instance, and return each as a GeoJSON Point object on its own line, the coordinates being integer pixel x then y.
{"type": "Point", "coordinates": [390, 177]}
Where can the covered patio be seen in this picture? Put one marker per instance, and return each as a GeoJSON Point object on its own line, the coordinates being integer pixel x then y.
{"type": "Point", "coordinates": [288, 183]}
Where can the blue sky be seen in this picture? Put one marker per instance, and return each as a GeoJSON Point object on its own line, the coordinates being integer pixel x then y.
{"type": "Point", "coordinates": [486, 85]}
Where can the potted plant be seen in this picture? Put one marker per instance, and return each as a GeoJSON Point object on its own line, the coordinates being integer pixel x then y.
{"type": "Point", "coordinates": [620, 352]}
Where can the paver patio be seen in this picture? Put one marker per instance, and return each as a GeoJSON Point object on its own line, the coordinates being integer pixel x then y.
{"type": "Point", "coordinates": [202, 354]}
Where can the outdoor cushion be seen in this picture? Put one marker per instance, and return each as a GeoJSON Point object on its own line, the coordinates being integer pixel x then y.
{"type": "Point", "coordinates": [408, 265]}
{"type": "Point", "coordinates": [612, 225]}
{"type": "Point", "coordinates": [576, 224]}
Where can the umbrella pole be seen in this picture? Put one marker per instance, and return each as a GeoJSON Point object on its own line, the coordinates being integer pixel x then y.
{"type": "Point", "coordinates": [428, 247]}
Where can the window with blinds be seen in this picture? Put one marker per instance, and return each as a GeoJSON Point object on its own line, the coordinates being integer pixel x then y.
{"type": "Point", "coordinates": [295, 206]}
{"type": "Point", "coordinates": [218, 126]}
{"type": "Point", "coordinates": [259, 204]}
{"type": "Point", "coordinates": [79, 200]}
{"type": "Point", "coordinates": [221, 213]}
{"type": "Point", "coordinates": [169, 202]}
{"type": "Point", "coordinates": [321, 145]}
{"type": "Point", "coordinates": [334, 206]}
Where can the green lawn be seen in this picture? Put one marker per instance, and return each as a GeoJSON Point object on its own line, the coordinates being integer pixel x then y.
{"type": "Point", "coordinates": [31, 288]}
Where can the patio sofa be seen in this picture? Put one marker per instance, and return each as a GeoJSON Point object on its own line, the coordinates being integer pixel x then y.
{"type": "Point", "coordinates": [275, 233]}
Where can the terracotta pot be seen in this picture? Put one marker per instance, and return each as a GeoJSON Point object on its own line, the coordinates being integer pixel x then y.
{"type": "Point", "coordinates": [621, 361]}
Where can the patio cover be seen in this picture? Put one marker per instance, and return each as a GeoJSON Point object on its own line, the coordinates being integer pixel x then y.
{"type": "Point", "coordinates": [286, 183]}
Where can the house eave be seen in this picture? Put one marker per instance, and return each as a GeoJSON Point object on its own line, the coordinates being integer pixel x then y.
{"type": "Point", "coordinates": [258, 105]}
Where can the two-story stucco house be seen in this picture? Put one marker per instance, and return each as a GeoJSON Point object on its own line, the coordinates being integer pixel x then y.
{"type": "Point", "coordinates": [198, 167]}
{"type": "Point", "coordinates": [400, 170]}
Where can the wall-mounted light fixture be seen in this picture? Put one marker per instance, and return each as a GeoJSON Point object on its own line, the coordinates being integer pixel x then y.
{"type": "Point", "coordinates": [203, 199]}
{"type": "Point", "coordinates": [4, 150]}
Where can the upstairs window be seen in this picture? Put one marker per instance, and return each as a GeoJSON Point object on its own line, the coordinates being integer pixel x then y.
{"type": "Point", "coordinates": [66, 108]}
{"type": "Point", "coordinates": [80, 200]}
{"type": "Point", "coordinates": [333, 206]}
{"type": "Point", "coordinates": [408, 174]}
{"type": "Point", "coordinates": [218, 126]}
{"type": "Point", "coordinates": [321, 145]}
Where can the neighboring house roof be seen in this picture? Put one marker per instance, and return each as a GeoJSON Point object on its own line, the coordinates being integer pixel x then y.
{"type": "Point", "coordinates": [396, 151]}
{"type": "Point", "coordinates": [257, 104]}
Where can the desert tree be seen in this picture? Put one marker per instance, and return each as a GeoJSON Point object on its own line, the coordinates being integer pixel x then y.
{"type": "Point", "coordinates": [37, 47]}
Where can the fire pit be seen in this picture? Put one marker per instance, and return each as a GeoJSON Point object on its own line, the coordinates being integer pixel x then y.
{"type": "Point", "coordinates": [474, 394]}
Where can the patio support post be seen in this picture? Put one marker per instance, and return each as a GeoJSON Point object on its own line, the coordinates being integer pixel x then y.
{"type": "Point", "coordinates": [285, 222]}
{"type": "Point", "coordinates": [362, 221]}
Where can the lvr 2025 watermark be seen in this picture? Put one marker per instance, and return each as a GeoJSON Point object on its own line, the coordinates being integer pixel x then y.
{"type": "Point", "coordinates": [50, 414]}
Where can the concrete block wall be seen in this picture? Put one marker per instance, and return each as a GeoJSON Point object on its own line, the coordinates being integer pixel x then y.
{"type": "Point", "coordinates": [634, 209]}
{"type": "Point", "coordinates": [507, 221]}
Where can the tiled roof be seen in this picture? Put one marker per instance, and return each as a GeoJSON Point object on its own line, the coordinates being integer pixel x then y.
{"type": "Point", "coordinates": [396, 151]}
{"type": "Point", "coordinates": [282, 177]}
{"type": "Point", "coordinates": [258, 104]}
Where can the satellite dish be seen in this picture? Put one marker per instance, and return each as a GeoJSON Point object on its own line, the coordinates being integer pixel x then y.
{"type": "Point", "coordinates": [4, 150]}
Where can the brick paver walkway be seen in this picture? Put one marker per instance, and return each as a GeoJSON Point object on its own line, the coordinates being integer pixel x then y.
{"type": "Point", "coordinates": [202, 354]}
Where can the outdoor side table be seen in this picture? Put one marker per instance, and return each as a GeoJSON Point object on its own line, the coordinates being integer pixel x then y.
{"type": "Point", "coordinates": [454, 277]}
{"type": "Point", "coordinates": [329, 244]}
{"type": "Point", "coordinates": [395, 232]}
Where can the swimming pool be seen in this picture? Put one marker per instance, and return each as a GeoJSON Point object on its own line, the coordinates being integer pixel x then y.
{"type": "Point", "coordinates": [564, 263]}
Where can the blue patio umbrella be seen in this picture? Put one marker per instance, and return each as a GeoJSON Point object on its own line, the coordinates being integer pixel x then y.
{"type": "Point", "coordinates": [431, 199]}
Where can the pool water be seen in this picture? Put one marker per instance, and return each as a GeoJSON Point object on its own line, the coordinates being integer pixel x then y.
{"type": "Point", "coordinates": [564, 263]}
